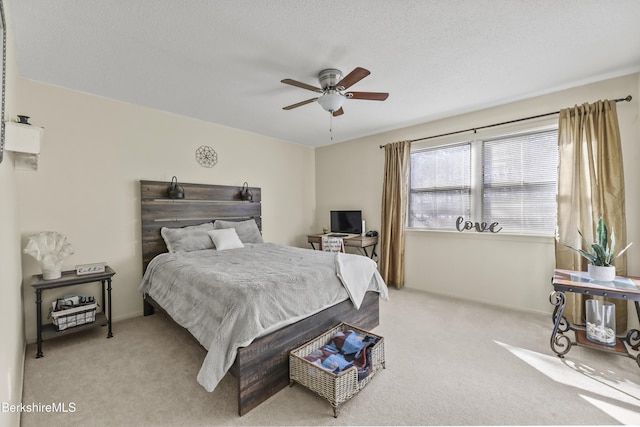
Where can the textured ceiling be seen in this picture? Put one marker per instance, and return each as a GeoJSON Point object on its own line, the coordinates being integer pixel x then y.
{"type": "Point", "coordinates": [222, 61]}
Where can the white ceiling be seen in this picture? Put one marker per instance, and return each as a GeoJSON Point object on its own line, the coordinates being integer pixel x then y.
{"type": "Point", "coordinates": [222, 60]}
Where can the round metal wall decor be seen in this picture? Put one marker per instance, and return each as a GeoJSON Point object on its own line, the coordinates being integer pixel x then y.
{"type": "Point", "coordinates": [206, 156]}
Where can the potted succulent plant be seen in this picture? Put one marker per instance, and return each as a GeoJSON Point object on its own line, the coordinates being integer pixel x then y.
{"type": "Point", "coordinates": [601, 253]}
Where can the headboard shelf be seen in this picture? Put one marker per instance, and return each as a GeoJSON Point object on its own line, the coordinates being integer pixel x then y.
{"type": "Point", "coordinates": [202, 203]}
{"type": "Point", "coordinates": [167, 200]}
{"type": "Point", "coordinates": [202, 192]}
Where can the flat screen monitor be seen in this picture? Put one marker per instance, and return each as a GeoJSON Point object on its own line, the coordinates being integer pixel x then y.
{"type": "Point", "coordinates": [346, 222]}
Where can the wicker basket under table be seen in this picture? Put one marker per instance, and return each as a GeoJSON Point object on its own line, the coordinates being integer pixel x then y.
{"type": "Point", "coordinates": [336, 388]}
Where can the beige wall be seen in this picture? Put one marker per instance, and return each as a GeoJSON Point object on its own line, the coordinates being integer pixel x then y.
{"type": "Point", "coordinates": [499, 269]}
{"type": "Point", "coordinates": [96, 150]}
{"type": "Point", "coordinates": [11, 319]}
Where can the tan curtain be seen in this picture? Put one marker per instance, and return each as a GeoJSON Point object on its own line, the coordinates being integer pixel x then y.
{"type": "Point", "coordinates": [395, 194]}
{"type": "Point", "coordinates": [590, 186]}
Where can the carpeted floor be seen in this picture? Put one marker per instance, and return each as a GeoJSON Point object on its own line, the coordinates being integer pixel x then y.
{"type": "Point", "coordinates": [449, 362]}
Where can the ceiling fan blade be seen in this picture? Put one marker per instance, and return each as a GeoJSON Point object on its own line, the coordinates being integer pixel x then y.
{"type": "Point", "coordinates": [301, 85]}
{"type": "Point", "coordinates": [353, 77]}
{"type": "Point", "coordinates": [299, 104]}
{"type": "Point", "coordinates": [338, 112]}
{"type": "Point", "coordinates": [371, 96]}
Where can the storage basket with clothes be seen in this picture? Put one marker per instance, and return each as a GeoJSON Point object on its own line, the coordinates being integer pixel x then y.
{"type": "Point", "coordinates": [337, 364]}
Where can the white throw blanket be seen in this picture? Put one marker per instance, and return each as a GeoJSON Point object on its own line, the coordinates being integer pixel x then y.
{"type": "Point", "coordinates": [359, 274]}
{"type": "Point", "coordinates": [227, 299]}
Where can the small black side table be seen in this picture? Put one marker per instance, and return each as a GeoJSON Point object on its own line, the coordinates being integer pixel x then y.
{"type": "Point", "coordinates": [70, 278]}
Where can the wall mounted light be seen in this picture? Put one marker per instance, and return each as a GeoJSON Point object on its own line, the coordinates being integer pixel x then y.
{"type": "Point", "coordinates": [24, 140]}
{"type": "Point", "coordinates": [245, 193]}
{"type": "Point", "coordinates": [175, 190]}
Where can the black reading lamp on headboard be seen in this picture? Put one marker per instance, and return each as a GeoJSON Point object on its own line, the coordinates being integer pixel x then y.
{"type": "Point", "coordinates": [245, 193]}
{"type": "Point", "coordinates": [175, 191]}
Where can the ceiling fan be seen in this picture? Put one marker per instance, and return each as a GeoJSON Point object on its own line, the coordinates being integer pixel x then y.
{"type": "Point", "coordinates": [333, 87]}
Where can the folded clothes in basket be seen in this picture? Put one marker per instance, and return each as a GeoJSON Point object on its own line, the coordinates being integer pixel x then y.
{"type": "Point", "coordinates": [72, 301]}
{"type": "Point", "coordinates": [346, 349]}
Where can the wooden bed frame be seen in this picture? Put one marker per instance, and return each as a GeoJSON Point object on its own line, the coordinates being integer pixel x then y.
{"type": "Point", "coordinates": [262, 368]}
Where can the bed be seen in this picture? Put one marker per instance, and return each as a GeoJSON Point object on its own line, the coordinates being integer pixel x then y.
{"type": "Point", "coordinates": [259, 362]}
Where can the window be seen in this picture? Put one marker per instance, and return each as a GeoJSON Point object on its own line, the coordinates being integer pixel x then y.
{"type": "Point", "coordinates": [440, 186]}
{"type": "Point", "coordinates": [511, 180]}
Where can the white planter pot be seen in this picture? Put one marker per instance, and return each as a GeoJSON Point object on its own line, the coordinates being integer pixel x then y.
{"type": "Point", "coordinates": [602, 274]}
{"type": "Point", "coordinates": [51, 272]}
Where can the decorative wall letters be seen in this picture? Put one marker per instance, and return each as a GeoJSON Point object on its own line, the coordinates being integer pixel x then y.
{"type": "Point", "coordinates": [462, 225]}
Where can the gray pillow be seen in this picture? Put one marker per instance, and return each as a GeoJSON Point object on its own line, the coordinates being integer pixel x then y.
{"type": "Point", "coordinates": [187, 239]}
{"type": "Point", "coordinates": [248, 230]}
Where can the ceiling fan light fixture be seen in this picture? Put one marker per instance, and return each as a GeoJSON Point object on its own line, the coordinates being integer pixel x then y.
{"type": "Point", "coordinates": [331, 100]}
{"type": "Point", "coordinates": [332, 94]}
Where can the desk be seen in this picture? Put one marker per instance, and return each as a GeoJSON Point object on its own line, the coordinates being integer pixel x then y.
{"type": "Point", "coordinates": [70, 278]}
{"type": "Point", "coordinates": [625, 288]}
{"type": "Point", "coordinates": [353, 240]}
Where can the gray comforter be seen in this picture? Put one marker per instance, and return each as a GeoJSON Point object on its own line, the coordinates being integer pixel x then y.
{"type": "Point", "coordinates": [226, 299]}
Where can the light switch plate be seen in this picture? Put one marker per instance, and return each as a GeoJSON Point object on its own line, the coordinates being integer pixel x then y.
{"type": "Point", "coordinates": [97, 267]}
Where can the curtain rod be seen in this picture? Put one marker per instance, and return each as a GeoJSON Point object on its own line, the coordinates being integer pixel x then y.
{"type": "Point", "coordinates": [628, 99]}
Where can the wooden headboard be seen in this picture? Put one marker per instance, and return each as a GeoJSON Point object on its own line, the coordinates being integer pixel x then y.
{"type": "Point", "coordinates": [202, 203]}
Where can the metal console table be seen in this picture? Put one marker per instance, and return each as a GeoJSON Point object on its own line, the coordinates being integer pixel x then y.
{"type": "Point", "coordinates": [70, 278]}
{"type": "Point", "coordinates": [625, 288]}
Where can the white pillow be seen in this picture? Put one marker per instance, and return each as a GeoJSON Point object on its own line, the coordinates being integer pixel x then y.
{"type": "Point", "coordinates": [225, 238]}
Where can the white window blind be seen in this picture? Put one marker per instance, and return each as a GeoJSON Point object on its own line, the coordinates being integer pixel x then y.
{"type": "Point", "coordinates": [511, 180]}
{"type": "Point", "coordinates": [440, 186]}
{"type": "Point", "coordinates": [520, 175]}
